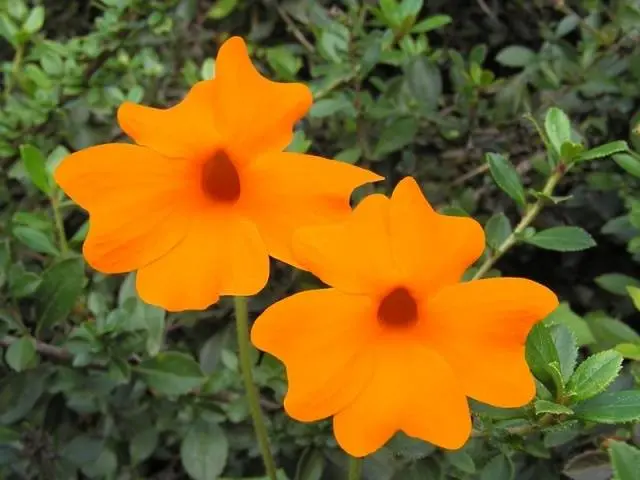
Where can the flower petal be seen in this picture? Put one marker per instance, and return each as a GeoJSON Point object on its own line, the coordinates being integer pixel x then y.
{"type": "Point", "coordinates": [431, 249]}
{"type": "Point", "coordinates": [412, 389]}
{"type": "Point", "coordinates": [221, 255]}
{"type": "Point", "coordinates": [480, 327]}
{"type": "Point", "coordinates": [136, 199]}
{"type": "Point", "coordinates": [321, 336]}
{"type": "Point", "coordinates": [186, 130]}
{"type": "Point", "coordinates": [256, 113]}
{"type": "Point", "coordinates": [287, 191]}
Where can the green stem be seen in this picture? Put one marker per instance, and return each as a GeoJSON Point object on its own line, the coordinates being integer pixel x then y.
{"type": "Point", "coordinates": [526, 220]}
{"type": "Point", "coordinates": [15, 67]}
{"type": "Point", "coordinates": [355, 468]}
{"type": "Point", "coordinates": [244, 352]}
{"type": "Point", "coordinates": [57, 218]}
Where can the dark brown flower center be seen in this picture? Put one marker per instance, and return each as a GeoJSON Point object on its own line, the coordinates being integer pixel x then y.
{"type": "Point", "coordinates": [398, 309]}
{"type": "Point", "coordinates": [220, 179]}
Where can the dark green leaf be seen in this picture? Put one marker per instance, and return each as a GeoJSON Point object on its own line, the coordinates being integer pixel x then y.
{"type": "Point", "coordinates": [204, 451]}
{"type": "Point", "coordinates": [516, 56]}
{"type": "Point", "coordinates": [558, 128]}
{"type": "Point", "coordinates": [562, 239]}
{"type": "Point", "coordinates": [506, 177]}
{"type": "Point", "coordinates": [462, 461]}
{"type": "Point", "coordinates": [35, 240]}
{"type": "Point", "coordinates": [57, 294]}
{"type": "Point", "coordinates": [221, 8]}
{"type": "Point", "coordinates": [610, 407]}
{"type": "Point", "coordinates": [35, 165]}
{"type": "Point", "coordinates": [595, 374]}
{"type": "Point", "coordinates": [83, 450]}
{"type": "Point", "coordinates": [143, 444]}
{"type": "Point", "coordinates": [21, 354]}
{"type": "Point", "coordinates": [625, 460]}
{"type": "Point", "coordinates": [424, 82]}
{"type": "Point", "coordinates": [497, 230]}
{"type": "Point", "coordinates": [396, 136]}
{"type": "Point", "coordinates": [567, 349]}
{"type": "Point", "coordinates": [171, 373]}
{"type": "Point", "coordinates": [541, 352]}
{"type": "Point", "coordinates": [603, 151]}
{"type": "Point", "coordinates": [310, 466]}
{"type": "Point", "coordinates": [616, 283]}
{"type": "Point", "coordinates": [563, 315]}
{"type": "Point", "coordinates": [499, 467]}
{"type": "Point", "coordinates": [407, 447]}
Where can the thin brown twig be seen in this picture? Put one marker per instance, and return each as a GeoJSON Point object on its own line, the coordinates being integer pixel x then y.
{"type": "Point", "coordinates": [293, 28]}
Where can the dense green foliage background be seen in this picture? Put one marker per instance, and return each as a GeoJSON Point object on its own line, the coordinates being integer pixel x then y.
{"type": "Point", "coordinates": [96, 384]}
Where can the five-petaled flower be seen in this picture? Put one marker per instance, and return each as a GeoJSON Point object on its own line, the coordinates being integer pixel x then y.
{"type": "Point", "coordinates": [207, 193]}
{"type": "Point", "coordinates": [399, 343]}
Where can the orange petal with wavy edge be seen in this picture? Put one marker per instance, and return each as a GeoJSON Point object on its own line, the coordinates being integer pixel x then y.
{"type": "Point", "coordinates": [138, 202]}
{"type": "Point", "coordinates": [431, 249]}
{"type": "Point", "coordinates": [321, 336]}
{"type": "Point", "coordinates": [412, 389]}
{"type": "Point", "coordinates": [186, 130]}
{"type": "Point", "coordinates": [221, 255]}
{"type": "Point", "coordinates": [287, 191]}
{"type": "Point", "coordinates": [481, 327]}
{"type": "Point", "coordinates": [256, 113]}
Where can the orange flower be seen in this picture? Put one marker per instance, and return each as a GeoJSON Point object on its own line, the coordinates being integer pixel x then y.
{"type": "Point", "coordinates": [399, 343]}
{"type": "Point", "coordinates": [207, 193]}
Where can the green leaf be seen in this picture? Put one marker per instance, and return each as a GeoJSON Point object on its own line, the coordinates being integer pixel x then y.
{"type": "Point", "coordinates": [563, 315]}
{"type": "Point", "coordinates": [21, 354]}
{"type": "Point", "coordinates": [499, 467]}
{"type": "Point", "coordinates": [36, 240]}
{"type": "Point", "coordinates": [610, 407]}
{"type": "Point", "coordinates": [395, 137]}
{"type": "Point", "coordinates": [143, 444]}
{"type": "Point", "coordinates": [610, 332]}
{"type": "Point", "coordinates": [595, 374]}
{"type": "Point", "coordinates": [506, 177]}
{"type": "Point", "coordinates": [36, 167]}
{"type": "Point", "coordinates": [545, 406]}
{"type": "Point", "coordinates": [57, 294]}
{"type": "Point", "coordinates": [461, 460]}
{"type": "Point", "coordinates": [629, 350]}
{"type": "Point", "coordinates": [204, 451]}
{"type": "Point", "coordinates": [567, 349]}
{"type": "Point", "coordinates": [562, 239]}
{"type": "Point", "coordinates": [625, 460]}
{"type": "Point", "coordinates": [222, 8]}
{"type": "Point", "coordinates": [516, 56]}
{"type": "Point", "coordinates": [497, 230]}
{"type": "Point", "coordinates": [628, 163]}
{"type": "Point", "coordinates": [432, 23]}
{"type": "Point", "coordinates": [558, 128]}
{"type": "Point", "coordinates": [408, 447]}
{"type": "Point", "coordinates": [34, 21]}
{"type": "Point", "coordinates": [310, 465]}
{"type": "Point", "coordinates": [570, 150]}
{"type": "Point", "coordinates": [171, 373]}
{"type": "Point", "coordinates": [83, 450]}
{"type": "Point", "coordinates": [541, 352]}
{"type": "Point", "coordinates": [603, 151]}
{"type": "Point", "coordinates": [424, 82]}
{"type": "Point", "coordinates": [616, 283]}
{"type": "Point", "coordinates": [634, 293]}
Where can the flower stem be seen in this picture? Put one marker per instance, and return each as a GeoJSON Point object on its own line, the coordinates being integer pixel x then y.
{"type": "Point", "coordinates": [355, 468]}
{"type": "Point", "coordinates": [527, 219]}
{"type": "Point", "coordinates": [244, 352]}
{"type": "Point", "coordinates": [57, 218]}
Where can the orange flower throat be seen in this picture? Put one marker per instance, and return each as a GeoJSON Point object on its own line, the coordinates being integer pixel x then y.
{"type": "Point", "coordinates": [220, 179]}
{"type": "Point", "coordinates": [398, 309]}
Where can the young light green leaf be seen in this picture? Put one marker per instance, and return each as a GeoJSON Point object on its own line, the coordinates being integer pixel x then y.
{"type": "Point", "coordinates": [562, 239]}
{"type": "Point", "coordinates": [34, 21]}
{"type": "Point", "coordinates": [625, 460]}
{"type": "Point", "coordinates": [616, 283]}
{"type": "Point", "coordinates": [602, 151]}
{"type": "Point", "coordinates": [545, 406]}
{"type": "Point", "coordinates": [497, 229]}
{"type": "Point", "coordinates": [506, 177]}
{"type": "Point", "coordinates": [21, 354]}
{"type": "Point", "coordinates": [516, 56]}
{"type": "Point", "coordinates": [432, 23]}
{"type": "Point", "coordinates": [629, 350]}
{"type": "Point", "coordinates": [634, 293]}
{"type": "Point", "coordinates": [595, 374]}
{"type": "Point", "coordinates": [570, 150]}
{"type": "Point", "coordinates": [204, 451]}
{"type": "Point", "coordinates": [57, 294]}
{"type": "Point", "coordinates": [36, 167]}
{"type": "Point", "coordinates": [221, 9]}
{"type": "Point", "coordinates": [558, 128]}
{"type": "Point", "coordinates": [628, 163]}
{"type": "Point", "coordinates": [610, 407]}
{"type": "Point", "coordinates": [171, 373]}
